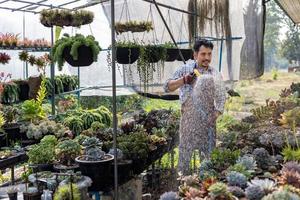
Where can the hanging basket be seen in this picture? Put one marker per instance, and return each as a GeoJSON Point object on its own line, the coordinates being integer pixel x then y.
{"type": "Point", "coordinates": [172, 55]}
{"type": "Point", "coordinates": [127, 55]}
{"type": "Point", "coordinates": [187, 54]}
{"type": "Point", "coordinates": [85, 56]}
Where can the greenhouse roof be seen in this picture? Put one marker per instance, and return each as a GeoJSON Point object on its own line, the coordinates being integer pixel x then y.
{"type": "Point", "coordinates": [291, 8]}
{"type": "Point", "coordinates": [36, 6]}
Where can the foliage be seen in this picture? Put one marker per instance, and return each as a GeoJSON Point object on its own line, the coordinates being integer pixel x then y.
{"type": "Point", "coordinates": [274, 74]}
{"type": "Point", "coordinates": [291, 154]}
{"type": "Point", "coordinates": [234, 103]}
{"type": "Point", "coordinates": [64, 192]}
{"type": "Point", "coordinates": [10, 114]}
{"type": "Point", "coordinates": [223, 158]}
{"type": "Point", "coordinates": [291, 118]}
{"type": "Point", "coordinates": [66, 151]}
{"type": "Point", "coordinates": [63, 17]}
{"type": "Point", "coordinates": [236, 179]}
{"type": "Point", "coordinates": [75, 124]}
{"type": "Point", "coordinates": [134, 26]}
{"type": "Point", "coordinates": [281, 195]}
{"type": "Point", "coordinates": [2, 120]}
{"type": "Point", "coordinates": [290, 178]}
{"type": "Point", "coordinates": [223, 122]}
{"type": "Point", "coordinates": [42, 153]}
{"type": "Point", "coordinates": [240, 169]}
{"type": "Point", "coordinates": [219, 190]}
{"type": "Point", "coordinates": [32, 109]}
{"type": "Point", "coordinates": [4, 58]}
{"type": "Point", "coordinates": [49, 140]}
{"type": "Point", "coordinates": [93, 149]}
{"type": "Point", "coordinates": [247, 161]}
{"type": "Point", "coordinates": [169, 196]}
{"type": "Point", "coordinates": [73, 43]}
{"type": "Point", "coordinates": [254, 193]}
{"type": "Point", "coordinates": [291, 166]}
{"type": "Point", "coordinates": [236, 191]}
{"type": "Point", "coordinates": [262, 157]}
{"type": "Point", "coordinates": [10, 93]}
{"type": "Point", "coordinates": [266, 185]}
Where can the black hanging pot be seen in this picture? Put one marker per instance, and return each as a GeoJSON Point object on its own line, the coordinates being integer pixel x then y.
{"type": "Point", "coordinates": [187, 54]}
{"type": "Point", "coordinates": [127, 55]}
{"type": "Point", "coordinates": [153, 54]}
{"type": "Point", "coordinates": [172, 55]}
{"type": "Point", "coordinates": [85, 56]}
{"type": "Point", "coordinates": [24, 90]}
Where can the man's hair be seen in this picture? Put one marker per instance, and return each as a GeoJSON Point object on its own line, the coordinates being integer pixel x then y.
{"type": "Point", "coordinates": [203, 42]}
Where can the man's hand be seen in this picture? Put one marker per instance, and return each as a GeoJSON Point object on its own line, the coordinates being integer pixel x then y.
{"type": "Point", "coordinates": [189, 78]}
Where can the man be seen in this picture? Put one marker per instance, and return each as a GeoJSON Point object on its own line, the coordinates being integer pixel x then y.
{"type": "Point", "coordinates": [198, 116]}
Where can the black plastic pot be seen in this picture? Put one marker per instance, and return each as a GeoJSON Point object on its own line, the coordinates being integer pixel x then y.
{"type": "Point", "coordinates": [13, 133]}
{"type": "Point", "coordinates": [98, 171]}
{"type": "Point", "coordinates": [187, 54]}
{"type": "Point", "coordinates": [64, 168]}
{"type": "Point", "coordinates": [41, 167]}
{"type": "Point", "coordinates": [127, 55]}
{"type": "Point", "coordinates": [24, 90]}
{"type": "Point", "coordinates": [13, 196]}
{"type": "Point", "coordinates": [32, 196]}
{"type": "Point", "coordinates": [3, 140]}
{"type": "Point", "coordinates": [172, 55]}
{"type": "Point", "coordinates": [85, 56]}
{"type": "Point", "coordinates": [125, 172]}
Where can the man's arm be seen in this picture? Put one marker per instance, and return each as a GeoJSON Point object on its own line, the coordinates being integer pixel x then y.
{"type": "Point", "coordinates": [175, 84]}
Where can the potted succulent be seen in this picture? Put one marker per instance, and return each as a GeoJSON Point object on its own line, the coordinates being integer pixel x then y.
{"type": "Point", "coordinates": [95, 160]}
{"type": "Point", "coordinates": [23, 89]}
{"type": "Point", "coordinates": [63, 18]}
{"type": "Point", "coordinates": [134, 26]}
{"type": "Point", "coordinates": [66, 151]}
{"type": "Point", "coordinates": [187, 54]}
{"type": "Point", "coordinates": [11, 127]}
{"type": "Point", "coordinates": [10, 93]}
{"type": "Point", "coordinates": [78, 50]}
{"type": "Point", "coordinates": [127, 52]}
{"type": "Point", "coordinates": [171, 52]}
{"type": "Point", "coordinates": [12, 193]}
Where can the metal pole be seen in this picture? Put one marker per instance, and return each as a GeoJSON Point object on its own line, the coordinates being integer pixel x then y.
{"type": "Point", "coordinates": [78, 93]}
{"type": "Point", "coordinates": [52, 74]}
{"type": "Point", "coordinates": [168, 29]}
{"type": "Point", "coordinates": [220, 56]}
{"type": "Point", "coordinates": [115, 120]}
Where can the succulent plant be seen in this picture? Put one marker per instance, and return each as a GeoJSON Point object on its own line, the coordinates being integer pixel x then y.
{"type": "Point", "coordinates": [236, 179]}
{"type": "Point", "coordinates": [291, 178]}
{"type": "Point", "coordinates": [66, 151]}
{"type": "Point", "coordinates": [266, 185]}
{"type": "Point", "coordinates": [93, 150]}
{"type": "Point", "coordinates": [119, 153]}
{"type": "Point", "coordinates": [248, 161]}
{"type": "Point", "coordinates": [75, 124]}
{"type": "Point", "coordinates": [277, 140]}
{"type": "Point", "coordinates": [220, 190]}
{"type": "Point", "coordinates": [80, 138]}
{"type": "Point", "coordinates": [254, 193]}
{"type": "Point", "coordinates": [281, 195]}
{"type": "Point", "coordinates": [10, 114]}
{"type": "Point", "coordinates": [236, 191]}
{"type": "Point", "coordinates": [97, 126]}
{"type": "Point", "coordinates": [206, 170]}
{"type": "Point", "coordinates": [291, 166]}
{"type": "Point", "coordinates": [169, 196]}
{"type": "Point", "coordinates": [241, 169]}
{"type": "Point", "coordinates": [262, 157]}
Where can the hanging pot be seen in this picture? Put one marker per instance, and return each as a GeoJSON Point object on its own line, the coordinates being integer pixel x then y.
{"type": "Point", "coordinates": [187, 54]}
{"type": "Point", "coordinates": [172, 54]}
{"type": "Point", "coordinates": [127, 55]}
{"type": "Point", "coordinates": [85, 56]}
{"type": "Point", "coordinates": [24, 89]}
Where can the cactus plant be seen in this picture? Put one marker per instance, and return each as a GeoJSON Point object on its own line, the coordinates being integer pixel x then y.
{"type": "Point", "coordinates": [254, 193]}
{"type": "Point", "coordinates": [281, 195]}
{"type": "Point", "coordinates": [236, 179]}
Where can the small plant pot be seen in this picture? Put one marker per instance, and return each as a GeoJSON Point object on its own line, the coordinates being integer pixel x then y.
{"type": "Point", "coordinates": [124, 171]}
{"type": "Point", "coordinates": [85, 56]}
{"type": "Point", "coordinates": [24, 90]}
{"type": "Point", "coordinates": [127, 55]}
{"type": "Point", "coordinates": [154, 58]}
{"type": "Point", "coordinates": [13, 133]}
{"type": "Point", "coordinates": [13, 196]}
{"type": "Point", "coordinates": [187, 54]}
{"type": "Point", "coordinates": [32, 196]}
{"type": "Point", "coordinates": [98, 171]}
{"type": "Point", "coordinates": [172, 55]}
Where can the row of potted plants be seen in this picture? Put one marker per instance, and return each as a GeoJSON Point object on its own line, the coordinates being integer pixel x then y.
{"type": "Point", "coordinates": [63, 17]}
{"type": "Point", "coordinates": [12, 40]}
{"type": "Point", "coordinates": [41, 62]}
{"type": "Point", "coordinates": [133, 26]}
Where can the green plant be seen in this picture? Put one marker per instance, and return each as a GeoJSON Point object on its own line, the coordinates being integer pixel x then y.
{"type": "Point", "coordinates": [10, 114]}
{"type": "Point", "coordinates": [241, 169]}
{"type": "Point", "coordinates": [2, 120]}
{"type": "Point", "coordinates": [89, 117]}
{"type": "Point", "coordinates": [23, 56]}
{"type": "Point", "coordinates": [49, 140]}
{"type": "Point", "coordinates": [41, 154]}
{"type": "Point", "coordinates": [76, 124]}
{"type": "Point", "coordinates": [254, 193]}
{"type": "Point", "coordinates": [236, 191]}
{"type": "Point", "coordinates": [281, 195]}
{"type": "Point", "coordinates": [207, 170]}
{"type": "Point", "coordinates": [236, 179]}
{"type": "Point", "coordinates": [97, 126]}
{"type": "Point", "coordinates": [223, 158]}
{"type": "Point", "coordinates": [291, 154]}
{"type": "Point", "coordinates": [59, 87]}
{"type": "Point", "coordinates": [266, 185]}
{"type": "Point", "coordinates": [73, 43]}
{"type": "Point", "coordinates": [295, 87]}
{"type": "Point", "coordinates": [66, 151]}
{"type": "Point", "coordinates": [66, 193]}
{"type": "Point", "coordinates": [219, 191]}
{"type": "Point", "coordinates": [134, 26]}
{"type": "Point", "coordinates": [262, 157]}
{"type": "Point", "coordinates": [274, 74]}
{"type": "Point", "coordinates": [32, 109]}
{"type": "Point", "coordinates": [223, 122]}
{"type": "Point", "coordinates": [63, 17]}
{"type": "Point", "coordinates": [10, 93]}
{"type": "Point", "coordinates": [291, 118]}
{"type": "Point", "coordinates": [80, 138]}
{"type": "Point", "coordinates": [247, 161]}
{"type": "Point", "coordinates": [93, 151]}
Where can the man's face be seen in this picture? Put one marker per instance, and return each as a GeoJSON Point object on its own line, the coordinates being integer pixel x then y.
{"type": "Point", "coordinates": [203, 56]}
